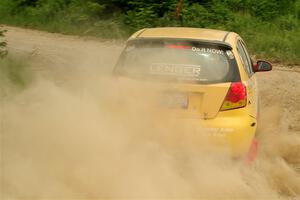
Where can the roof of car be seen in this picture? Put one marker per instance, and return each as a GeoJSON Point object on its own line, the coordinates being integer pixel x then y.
{"type": "Point", "coordinates": [183, 32]}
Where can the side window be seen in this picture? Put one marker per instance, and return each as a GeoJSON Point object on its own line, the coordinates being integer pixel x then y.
{"type": "Point", "coordinates": [248, 57]}
{"type": "Point", "coordinates": [245, 58]}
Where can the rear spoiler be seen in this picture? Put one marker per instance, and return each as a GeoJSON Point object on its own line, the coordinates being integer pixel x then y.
{"type": "Point", "coordinates": [205, 42]}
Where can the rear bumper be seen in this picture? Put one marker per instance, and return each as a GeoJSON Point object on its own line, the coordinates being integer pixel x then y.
{"type": "Point", "coordinates": [233, 130]}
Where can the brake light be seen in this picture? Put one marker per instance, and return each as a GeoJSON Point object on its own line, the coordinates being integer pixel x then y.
{"type": "Point", "coordinates": [236, 97]}
{"type": "Point", "coordinates": [172, 46]}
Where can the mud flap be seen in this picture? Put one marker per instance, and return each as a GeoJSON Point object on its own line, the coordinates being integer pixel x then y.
{"type": "Point", "coordinates": [252, 153]}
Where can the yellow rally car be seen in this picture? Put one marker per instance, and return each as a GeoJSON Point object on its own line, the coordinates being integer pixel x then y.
{"type": "Point", "coordinates": [212, 76]}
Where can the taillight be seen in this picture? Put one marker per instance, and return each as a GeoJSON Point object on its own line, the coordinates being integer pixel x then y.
{"type": "Point", "coordinates": [236, 97]}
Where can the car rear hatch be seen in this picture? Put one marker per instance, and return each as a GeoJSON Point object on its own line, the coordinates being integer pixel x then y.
{"type": "Point", "coordinates": [189, 78]}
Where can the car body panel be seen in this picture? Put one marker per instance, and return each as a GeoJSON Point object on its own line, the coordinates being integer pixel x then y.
{"type": "Point", "coordinates": [232, 130]}
{"type": "Point", "coordinates": [204, 101]}
{"type": "Point", "coordinates": [181, 32]}
{"type": "Point", "coordinates": [250, 82]}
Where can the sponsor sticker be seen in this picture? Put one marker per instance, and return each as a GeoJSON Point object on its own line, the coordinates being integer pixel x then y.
{"type": "Point", "coordinates": [207, 50]}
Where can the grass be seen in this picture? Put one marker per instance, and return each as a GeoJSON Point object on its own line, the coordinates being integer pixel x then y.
{"type": "Point", "coordinates": [269, 40]}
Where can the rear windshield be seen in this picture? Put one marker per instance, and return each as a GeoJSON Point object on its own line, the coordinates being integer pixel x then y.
{"type": "Point", "coordinates": [175, 60]}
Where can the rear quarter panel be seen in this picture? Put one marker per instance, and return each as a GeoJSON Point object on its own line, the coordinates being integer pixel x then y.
{"type": "Point", "coordinates": [249, 82]}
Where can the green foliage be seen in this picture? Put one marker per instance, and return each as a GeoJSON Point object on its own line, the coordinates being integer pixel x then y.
{"type": "Point", "coordinates": [3, 50]}
{"type": "Point", "coordinates": [196, 16]}
{"type": "Point", "coordinates": [270, 27]}
{"type": "Point", "coordinates": [268, 40]}
{"type": "Point", "coordinates": [141, 18]}
{"type": "Point", "coordinates": [271, 9]}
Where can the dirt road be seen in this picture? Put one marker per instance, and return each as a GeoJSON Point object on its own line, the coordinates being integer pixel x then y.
{"type": "Point", "coordinates": [57, 142]}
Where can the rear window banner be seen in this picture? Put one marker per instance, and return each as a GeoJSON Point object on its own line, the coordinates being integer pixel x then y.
{"type": "Point", "coordinates": [169, 69]}
{"type": "Point", "coordinates": [186, 61]}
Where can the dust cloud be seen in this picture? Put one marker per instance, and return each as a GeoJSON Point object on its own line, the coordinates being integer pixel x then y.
{"type": "Point", "coordinates": [71, 138]}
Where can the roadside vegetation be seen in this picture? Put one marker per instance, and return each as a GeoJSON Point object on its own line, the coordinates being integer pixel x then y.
{"type": "Point", "coordinates": [271, 28]}
{"type": "Point", "coordinates": [12, 70]}
{"type": "Point", "coordinates": [3, 50]}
